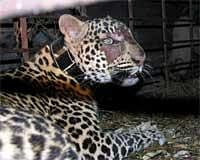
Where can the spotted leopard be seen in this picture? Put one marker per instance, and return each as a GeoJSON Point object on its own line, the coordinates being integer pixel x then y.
{"type": "Point", "coordinates": [47, 114]}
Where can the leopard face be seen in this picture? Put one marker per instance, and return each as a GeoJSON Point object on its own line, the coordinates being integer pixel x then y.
{"type": "Point", "coordinates": [104, 49]}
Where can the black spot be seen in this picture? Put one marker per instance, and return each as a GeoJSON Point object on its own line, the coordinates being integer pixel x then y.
{"type": "Point", "coordinates": [85, 42]}
{"type": "Point", "coordinates": [115, 149]}
{"type": "Point", "coordinates": [55, 65]}
{"type": "Point", "coordinates": [75, 135]}
{"type": "Point", "coordinates": [88, 157]}
{"type": "Point", "coordinates": [103, 58]}
{"type": "Point", "coordinates": [18, 141]}
{"type": "Point", "coordinates": [92, 27]}
{"type": "Point", "coordinates": [39, 127]}
{"type": "Point", "coordinates": [22, 69]}
{"type": "Point", "coordinates": [97, 20]}
{"type": "Point", "coordinates": [47, 49]}
{"type": "Point", "coordinates": [97, 38]}
{"type": "Point", "coordinates": [95, 122]}
{"type": "Point", "coordinates": [130, 150]}
{"type": "Point", "coordinates": [18, 119]}
{"type": "Point", "coordinates": [76, 107]}
{"type": "Point", "coordinates": [1, 144]}
{"type": "Point", "coordinates": [108, 141]}
{"type": "Point", "coordinates": [54, 103]}
{"type": "Point", "coordinates": [71, 129]}
{"type": "Point", "coordinates": [98, 60]}
{"type": "Point", "coordinates": [90, 133]}
{"type": "Point", "coordinates": [38, 141]}
{"type": "Point", "coordinates": [101, 157]}
{"type": "Point", "coordinates": [87, 120]}
{"type": "Point", "coordinates": [86, 62]}
{"type": "Point", "coordinates": [59, 138]}
{"type": "Point", "coordinates": [77, 146]}
{"type": "Point", "coordinates": [84, 126]}
{"type": "Point", "coordinates": [96, 46]}
{"type": "Point", "coordinates": [89, 107]}
{"type": "Point", "coordinates": [116, 157]}
{"type": "Point", "coordinates": [54, 152]}
{"type": "Point", "coordinates": [26, 64]}
{"type": "Point", "coordinates": [96, 138]}
{"type": "Point", "coordinates": [70, 154]}
{"type": "Point", "coordinates": [123, 151]}
{"type": "Point", "coordinates": [143, 136]}
{"type": "Point", "coordinates": [92, 148]}
{"type": "Point", "coordinates": [93, 52]}
{"type": "Point", "coordinates": [55, 111]}
{"type": "Point", "coordinates": [46, 61]}
{"type": "Point", "coordinates": [79, 131]}
{"type": "Point", "coordinates": [27, 78]}
{"type": "Point", "coordinates": [77, 113]}
{"type": "Point", "coordinates": [105, 150]}
{"type": "Point", "coordinates": [91, 40]}
{"type": "Point", "coordinates": [90, 33]}
{"type": "Point", "coordinates": [99, 30]}
{"type": "Point", "coordinates": [112, 30]}
{"type": "Point", "coordinates": [105, 23]}
{"type": "Point", "coordinates": [102, 135]}
{"type": "Point", "coordinates": [73, 83]}
{"type": "Point", "coordinates": [96, 128]}
{"type": "Point", "coordinates": [130, 142]}
{"type": "Point", "coordinates": [97, 65]}
{"type": "Point", "coordinates": [61, 123]}
{"type": "Point", "coordinates": [140, 142]}
{"type": "Point", "coordinates": [18, 74]}
{"type": "Point", "coordinates": [136, 137]}
{"type": "Point", "coordinates": [88, 114]}
{"type": "Point", "coordinates": [88, 57]}
{"type": "Point", "coordinates": [95, 32]}
{"type": "Point", "coordinates": [40, 61]}
{"type": "Point", "coordinates": [87, 49]}
{"type": "Point", "coordinates": [74, 120]}
{"type": "Point", "coordinates": [117, 140]}
{"type": "Point", "coordinates": [86, 143]}
{"type": "Point", "coordinates": [62, 77]}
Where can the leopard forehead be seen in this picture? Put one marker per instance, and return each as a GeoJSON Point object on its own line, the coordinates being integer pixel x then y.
{"type": "Point", "coordinates": [104, 25]}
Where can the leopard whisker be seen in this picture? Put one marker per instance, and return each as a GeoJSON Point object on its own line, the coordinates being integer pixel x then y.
{"type": "Point", "coordinates": [148, 67]}
{"type": "Point", "coordinates": [148, 74]}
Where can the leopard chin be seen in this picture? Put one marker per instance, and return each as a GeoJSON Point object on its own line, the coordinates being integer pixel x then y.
{"type": "Point", "coordinates": [130, 82]}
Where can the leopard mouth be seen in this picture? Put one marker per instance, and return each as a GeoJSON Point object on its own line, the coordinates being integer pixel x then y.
{"type": "Point", "coordinates": [127, 78]}
{"type": "Point", "coordinates": [130, 80]}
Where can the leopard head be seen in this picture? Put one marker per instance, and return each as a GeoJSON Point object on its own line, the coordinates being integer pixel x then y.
{"type": "Point", "coordinates": [104, 49]}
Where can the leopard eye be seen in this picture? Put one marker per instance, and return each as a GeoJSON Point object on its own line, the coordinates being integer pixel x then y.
{"type": "Point", "coordinates": [108, 41]}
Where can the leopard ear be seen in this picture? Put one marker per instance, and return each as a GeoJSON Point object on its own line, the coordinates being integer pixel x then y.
{"type": "Point", "coordinates": [70, 26]}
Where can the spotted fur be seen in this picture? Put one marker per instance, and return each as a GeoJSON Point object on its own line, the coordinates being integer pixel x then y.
{"type": "Point", "coordinates": [42, 101]}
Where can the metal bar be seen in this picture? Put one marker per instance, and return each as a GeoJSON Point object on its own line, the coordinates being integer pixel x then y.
{"type": "Point", "coordinates": [159, 26]}
{"type": "Point", "coordinates": [24, 37]}
{"type": "Point", "coordinates": [182, 41]}
{"type": "Point", "coordinates": [176, 1]}
{"type": "Point", "coordinates": [191, 33]}
{"type": "Point", "coordinates": [165, 45]}
{"type": "Point", "coordinates": [130, 14]}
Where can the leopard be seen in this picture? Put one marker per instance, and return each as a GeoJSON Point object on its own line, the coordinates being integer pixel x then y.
{"type": "Point", "coordinates": [47, 114]}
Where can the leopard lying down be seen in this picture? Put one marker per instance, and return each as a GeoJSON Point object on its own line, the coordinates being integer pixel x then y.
{"type": "Point", "coordinates": [46, 114]}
